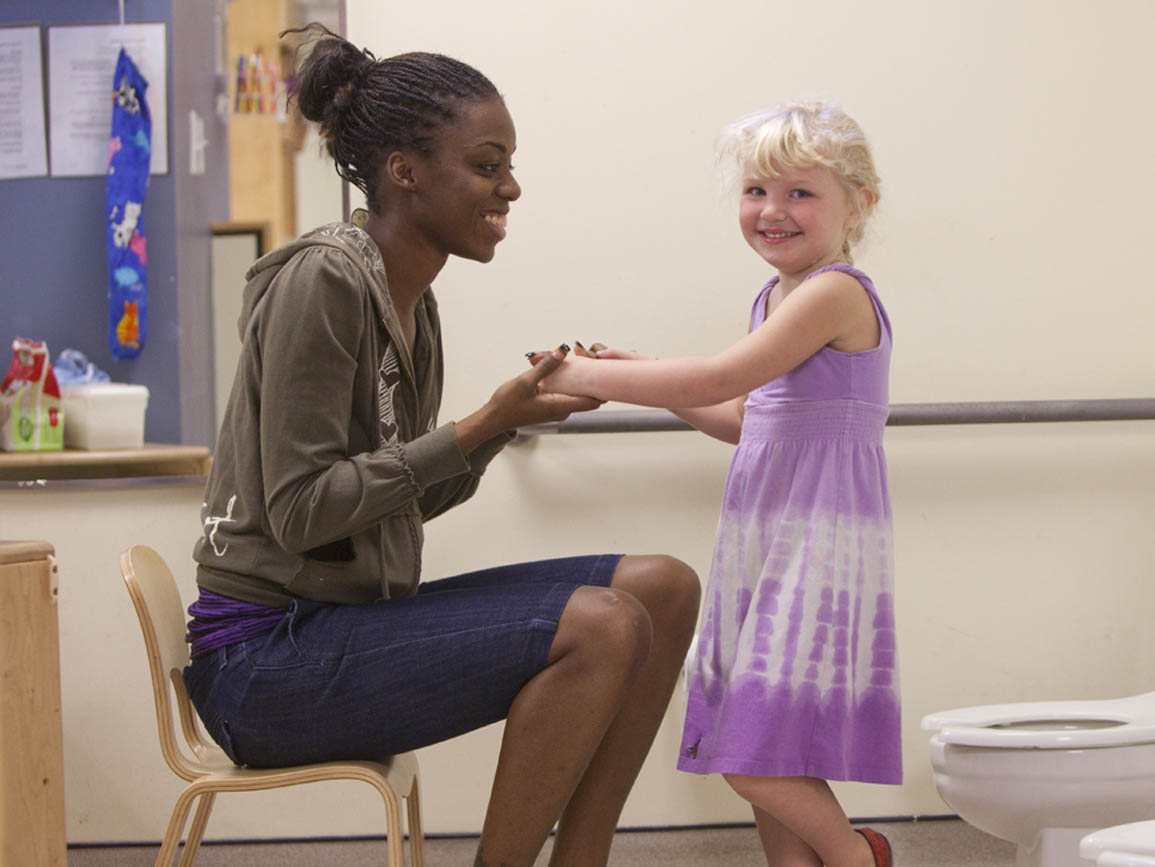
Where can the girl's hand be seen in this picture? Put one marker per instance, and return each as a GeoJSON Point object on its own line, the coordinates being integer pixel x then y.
{"type": "Point", "coordinates": [522, 401]}
{"type": "Point", "coordinates": [566, 377]}
{"type": "Point", "coordinates": [596, 350]}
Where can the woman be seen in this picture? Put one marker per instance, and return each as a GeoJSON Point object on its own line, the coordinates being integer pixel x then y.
{"type": "Point", "coordinates": [311, 639]}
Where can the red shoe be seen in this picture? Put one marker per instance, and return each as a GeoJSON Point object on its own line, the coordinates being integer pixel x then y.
{"type": "Point", "coordinates": [879, 847]}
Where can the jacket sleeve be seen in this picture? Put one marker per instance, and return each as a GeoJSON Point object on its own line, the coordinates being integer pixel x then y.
{"type": "Point", "coordinates": [314, 321]}
{"type": "Point", "coordinates": [443, 496]}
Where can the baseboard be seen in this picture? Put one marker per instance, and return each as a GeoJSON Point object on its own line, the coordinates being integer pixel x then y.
{"type": "Point", "coordinates": [638, 829]}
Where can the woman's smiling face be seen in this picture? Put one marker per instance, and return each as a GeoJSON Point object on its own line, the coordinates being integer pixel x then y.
{"type": "Point", "coordinates": [466, 185]}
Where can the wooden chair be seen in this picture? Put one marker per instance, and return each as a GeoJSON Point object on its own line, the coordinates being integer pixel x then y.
{"type": "Point", "coordinates": [209, 770]}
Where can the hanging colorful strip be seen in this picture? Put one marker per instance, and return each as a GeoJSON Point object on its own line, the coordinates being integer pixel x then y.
{"type": "Point", "coordinates": [127, 182]}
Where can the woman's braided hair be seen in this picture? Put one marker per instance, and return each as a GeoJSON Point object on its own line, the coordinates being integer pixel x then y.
{"type": "Point", "coordinates": [367, 108]}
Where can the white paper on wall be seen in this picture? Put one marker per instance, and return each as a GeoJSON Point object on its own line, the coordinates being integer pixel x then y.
{"type": "Point", "coordinates": [23, 153]}
{"type": "Point", "coordinates": [81, 64]}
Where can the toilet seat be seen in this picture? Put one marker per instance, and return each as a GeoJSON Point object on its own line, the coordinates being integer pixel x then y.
{"type": "Point", "coordinates": [1116, 859]}
{"type": "Point", "coordinates": [1130, 845]}
{"type": "Point", "coordinates": [1065, 725]}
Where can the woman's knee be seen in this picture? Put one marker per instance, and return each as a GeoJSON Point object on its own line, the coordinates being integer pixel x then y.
{"type": "Point", "coordinates": [604, 623]}
{"type": "Point", "coordinates": [668, 588]}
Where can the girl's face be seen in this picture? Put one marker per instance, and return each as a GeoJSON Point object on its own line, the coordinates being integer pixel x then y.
{"type": "Point", "coordinates": [798, 221]}
{"type": "Point", "coordinates": [465, 187]}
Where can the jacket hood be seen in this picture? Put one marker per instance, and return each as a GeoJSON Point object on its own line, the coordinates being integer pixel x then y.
{"type": "Point", "coordinates": [351, 240]}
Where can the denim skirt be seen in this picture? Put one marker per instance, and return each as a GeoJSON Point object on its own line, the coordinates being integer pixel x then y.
{"type": "Point", "coordinates": [340, 682]}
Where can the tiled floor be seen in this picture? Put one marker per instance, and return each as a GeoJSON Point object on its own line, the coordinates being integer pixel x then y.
{"type": "Point", "coordinates": [940, 843]}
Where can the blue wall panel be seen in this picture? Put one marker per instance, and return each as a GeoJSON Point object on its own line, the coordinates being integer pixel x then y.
{"type": "Point", "coordinates": [53, 269]}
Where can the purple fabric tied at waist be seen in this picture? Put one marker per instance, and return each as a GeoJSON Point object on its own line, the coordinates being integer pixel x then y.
{"type": "Point", "coordinates": [218, 621]}
{"type": "Point", "coordinates": [849, 420]}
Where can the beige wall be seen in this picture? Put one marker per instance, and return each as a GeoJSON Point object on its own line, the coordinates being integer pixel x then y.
{"type": "Point", "coordinates": [1025, 564]}
{"type": "Point", "coordinates": [1014, 142]}
{"type": "Point", "coordinates": [1013, 139]}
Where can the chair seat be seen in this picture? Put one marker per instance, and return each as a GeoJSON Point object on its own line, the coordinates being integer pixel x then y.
{"type": "Point", "coordinates": [399, 773]}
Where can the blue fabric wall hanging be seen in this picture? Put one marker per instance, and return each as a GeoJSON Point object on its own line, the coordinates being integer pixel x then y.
{"type": "Point", "coordinates": [127, 182]}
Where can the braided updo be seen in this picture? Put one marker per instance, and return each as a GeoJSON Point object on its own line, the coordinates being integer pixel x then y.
{"type": "Point", "coordinates": [367, 108]}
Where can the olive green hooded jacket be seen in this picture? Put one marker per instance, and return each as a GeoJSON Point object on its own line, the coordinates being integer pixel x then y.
{"type": "Point", "coordinates": [329, 457]}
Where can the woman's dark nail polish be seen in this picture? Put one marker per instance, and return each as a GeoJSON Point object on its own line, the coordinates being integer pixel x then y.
{"type": "Point", "coordinates": [563, 348]}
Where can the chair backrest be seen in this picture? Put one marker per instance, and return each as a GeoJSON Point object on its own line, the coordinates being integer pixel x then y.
{"type": "Point", "coordinates": [162, 621]}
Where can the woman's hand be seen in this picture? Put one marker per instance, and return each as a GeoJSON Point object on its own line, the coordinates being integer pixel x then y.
{"type": "Point", "coordinates": [522, 401]}
{"type": "Point", "coordinates": [596, 350]}
{"type": "Point", "coordinates": [579, 350]}
{"type": "Point", "coordinates": [600, 350]}
{"type": "Point", "coordinates": [567, 379]}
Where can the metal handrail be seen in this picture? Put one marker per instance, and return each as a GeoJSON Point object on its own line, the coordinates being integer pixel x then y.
{"type": "Point", "coordinates": [901, 415]}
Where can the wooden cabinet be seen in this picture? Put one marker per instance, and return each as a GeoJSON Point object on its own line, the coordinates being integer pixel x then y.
{"type": "Point", "coordinates": [264, 143]}
{"type": "Point", "coordinates": [32, 830]}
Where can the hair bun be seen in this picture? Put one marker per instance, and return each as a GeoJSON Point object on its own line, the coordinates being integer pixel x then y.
{"type": "Point", "coordinates": [366, 108]}
{"type": "Point", "coordinates": [330, 71]}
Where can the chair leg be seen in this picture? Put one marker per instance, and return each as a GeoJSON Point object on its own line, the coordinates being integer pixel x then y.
{"type": "Point", "coordinates": [416, 831]}
{"type": "Point", "coordinates": [197, 831]}
{"type": "Point", "coordinates": [396, 841]}
{"type": "Point", "coordinates": [176, 823]}
{"type": "Point", "coordinates": [393, 833]}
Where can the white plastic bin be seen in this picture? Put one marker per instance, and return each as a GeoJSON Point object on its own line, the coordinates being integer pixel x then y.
{"type": "Point", "coordinates": [104, 415]}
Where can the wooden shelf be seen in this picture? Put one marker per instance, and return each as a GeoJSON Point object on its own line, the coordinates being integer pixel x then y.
{"type": "Point", "coordinates": [23, 552]}
{"type": "Point", "coordinates": [262, 147]}
{"type": "Point", "coordinates": [150, 460]}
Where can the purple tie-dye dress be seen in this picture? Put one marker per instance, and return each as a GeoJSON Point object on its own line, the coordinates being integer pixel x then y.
{"type": "Point", "coordinates": [795, 673]}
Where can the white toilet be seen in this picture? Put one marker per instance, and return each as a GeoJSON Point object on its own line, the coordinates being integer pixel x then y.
{"type": "Point", "coordinates": [1043, 775]}
{"type": "Point", "coordinates": [1130, 845]}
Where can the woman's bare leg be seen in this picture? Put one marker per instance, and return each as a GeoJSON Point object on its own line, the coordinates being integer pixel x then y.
{"type": "Point", "coordinates": [806, 808]}
{"type": "Point", "coordinates": [669, 590]}
{"type": "Point", "coordinates": [558, 719]}
{"type": "Point", "coordinates": [578, 732]}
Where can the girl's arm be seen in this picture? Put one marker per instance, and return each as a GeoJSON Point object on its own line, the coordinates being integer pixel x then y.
{"type": "Point", "coordinates": [820, 311]}
{"type": "Point", "coordinates": [722, 421]}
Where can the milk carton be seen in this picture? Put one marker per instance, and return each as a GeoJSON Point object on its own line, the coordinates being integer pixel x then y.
{"type": "Point", "coordinates": [31, 416]}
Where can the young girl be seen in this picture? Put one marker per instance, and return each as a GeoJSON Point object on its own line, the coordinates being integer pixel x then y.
{"type": "Point", "coordinates": [795, 680]}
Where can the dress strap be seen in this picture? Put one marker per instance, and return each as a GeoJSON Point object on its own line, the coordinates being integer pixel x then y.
{"type": "Point", "coordinates": [758, 311]}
